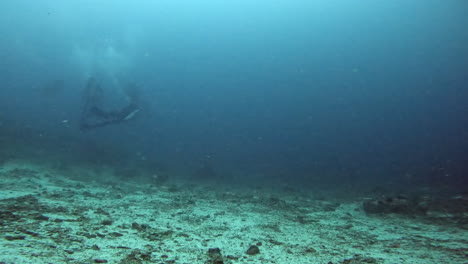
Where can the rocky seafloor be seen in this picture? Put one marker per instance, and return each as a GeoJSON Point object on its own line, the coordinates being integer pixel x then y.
{"type": "Point", "coordinates": [46, 216]}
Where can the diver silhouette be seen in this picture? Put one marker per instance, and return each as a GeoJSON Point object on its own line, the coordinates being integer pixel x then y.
{"type": "Point", "coordinates": [94, 115]}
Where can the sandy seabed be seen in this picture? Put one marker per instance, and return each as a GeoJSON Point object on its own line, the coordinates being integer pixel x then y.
{"type": "Point", "coordinates": [47, 216]}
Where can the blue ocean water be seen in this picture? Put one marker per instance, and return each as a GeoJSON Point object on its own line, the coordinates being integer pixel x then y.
{"type": "Point", "coordinates": [340, 94]}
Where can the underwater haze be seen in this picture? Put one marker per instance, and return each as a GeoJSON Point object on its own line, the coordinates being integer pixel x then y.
{"type": "Point", "coordinates": [234, 132]}
{"type": "Point", "coordinates": [337, 94]}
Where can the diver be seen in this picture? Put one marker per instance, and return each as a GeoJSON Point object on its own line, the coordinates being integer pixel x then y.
{"type": "Point", "coordinates": [94, 115]}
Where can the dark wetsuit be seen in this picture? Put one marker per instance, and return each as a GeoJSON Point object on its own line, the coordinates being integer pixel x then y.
{"type": "Point", "coordinates": [94, 116]}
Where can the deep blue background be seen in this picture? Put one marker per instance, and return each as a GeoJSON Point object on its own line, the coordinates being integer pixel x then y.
{"type": "Point", "coordinates": [337, 92]}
